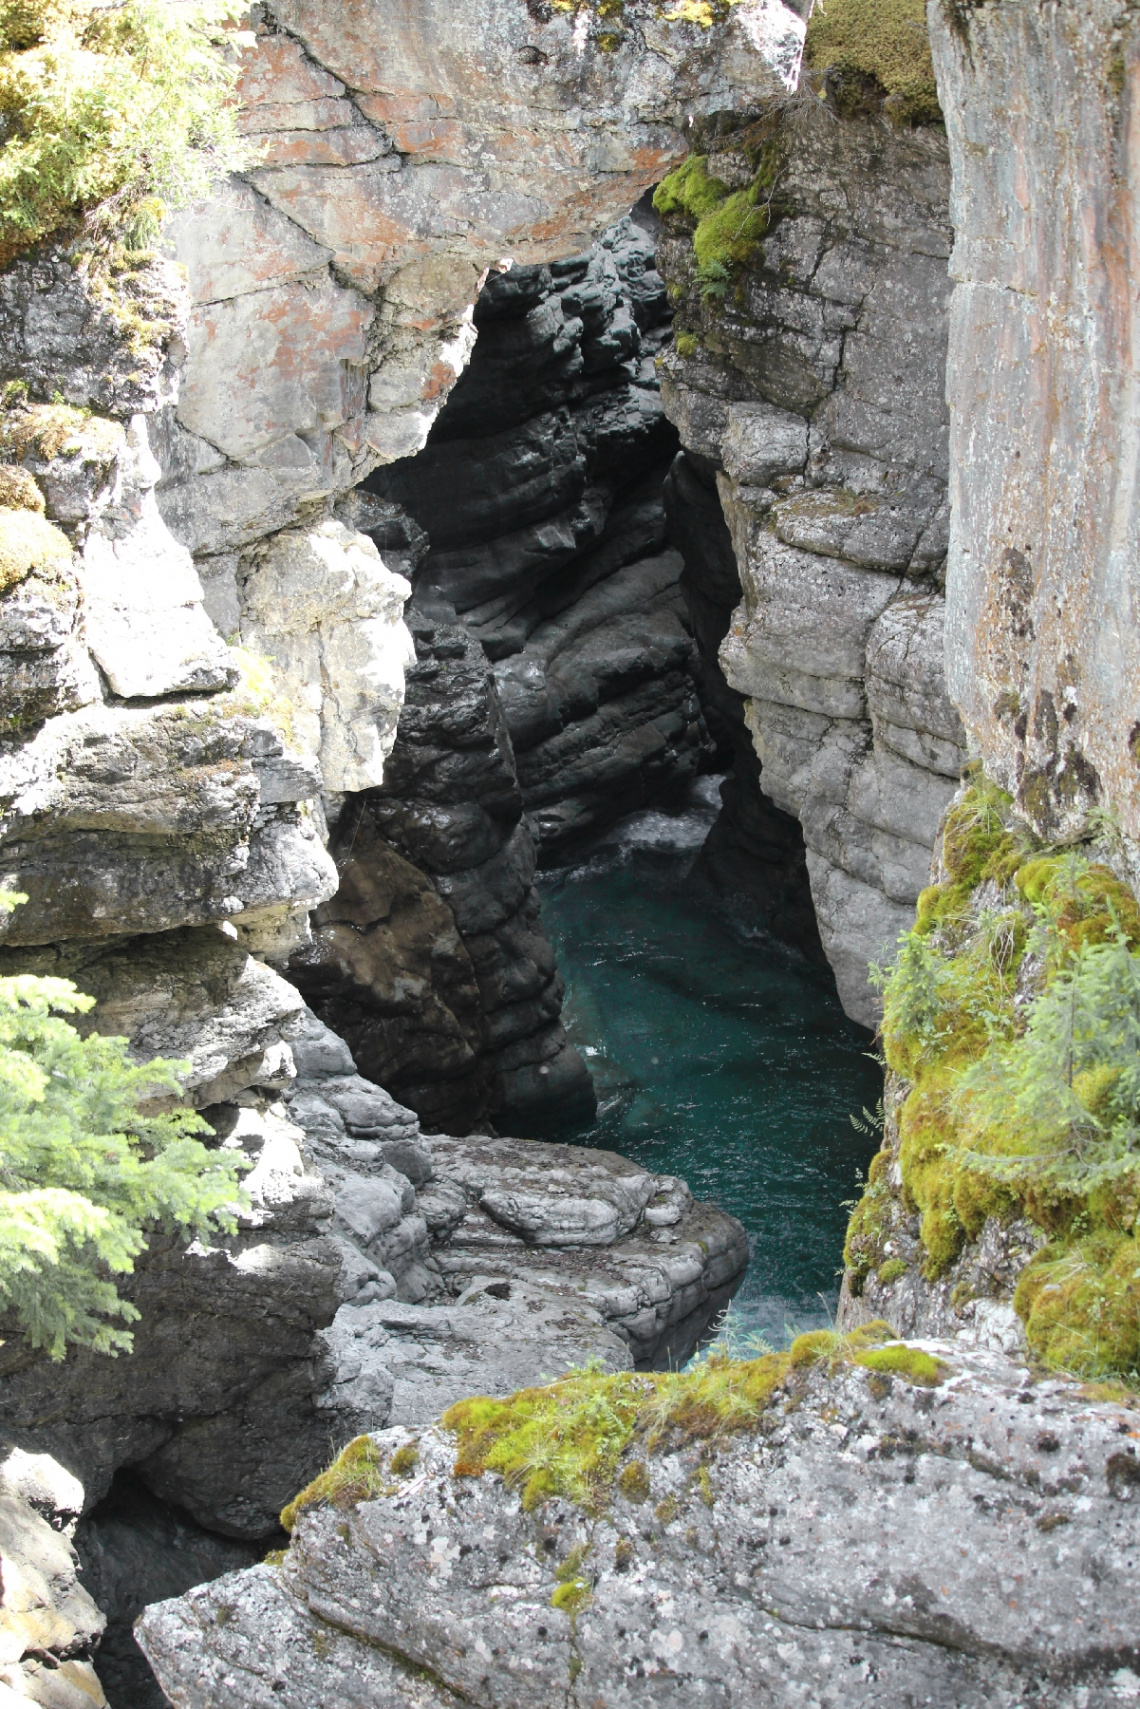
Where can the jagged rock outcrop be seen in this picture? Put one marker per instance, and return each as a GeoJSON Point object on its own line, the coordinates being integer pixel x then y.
{"type": "Point", "coordinates": [813, 390]}
{"type": "Point", "coordinates": [540, 493]}
{"type": "Point", "coordinates": [431, 960]}
{"type": "Point", "coordinates": [49, 1624]}
{"type": "Point", "coordinates": [872, 1540]}
{"type": "Point", "coordinates": [500, 1254]}
{"type": "Point", "coordinates": [1042, 636]}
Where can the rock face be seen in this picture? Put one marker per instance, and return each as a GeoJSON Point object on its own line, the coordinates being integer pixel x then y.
{"type": "Point", "coordinates": [1042, 658]}
{"type": "Point", "coordinates": [540, 493]}
{"type": "Point", "coordinates": [487, 1260]}
{"type": "Point", "coordinates": [813, 392]}
{"type": "Point", "coordinates": [873, 1540]}
{"type": "Point", "coordinates": [49, 1624]}
{"type": "Point", "coordinates": [333, 288]}
{"type": "Point", "coordinates": [431, 960]}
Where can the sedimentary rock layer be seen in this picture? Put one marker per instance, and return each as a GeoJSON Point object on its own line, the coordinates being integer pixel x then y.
{"type": "Point", "coordinates": [813, 390]}
{"type": "Point", "coordinates": [540, 495]}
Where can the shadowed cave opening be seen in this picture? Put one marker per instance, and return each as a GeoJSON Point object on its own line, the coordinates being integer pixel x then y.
{"type": "Point", "coordinates": [573, 577]}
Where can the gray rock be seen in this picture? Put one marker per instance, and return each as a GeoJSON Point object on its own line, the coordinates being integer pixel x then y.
{"type": "Point", "coordinates": [1042, 561]}
{"type": "Point", "coordinates": [871, 1540]}
{"type": "Point", "coordinates": [60, 334]}
{"type": "Point", "coordinates": [816, 390]}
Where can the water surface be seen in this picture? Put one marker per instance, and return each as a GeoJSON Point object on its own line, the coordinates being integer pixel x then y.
{"type": "Point", "coordinates": [726, 1061]}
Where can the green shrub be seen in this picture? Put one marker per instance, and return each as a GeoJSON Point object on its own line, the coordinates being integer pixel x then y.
{"type": "Point", "coordinates": [127, 107]}
{"type": "Point", "coordinates": [85, 1168]}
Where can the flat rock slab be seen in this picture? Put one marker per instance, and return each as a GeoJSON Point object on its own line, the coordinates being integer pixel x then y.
{"type": "Point", "coordinates": [872, 1543]}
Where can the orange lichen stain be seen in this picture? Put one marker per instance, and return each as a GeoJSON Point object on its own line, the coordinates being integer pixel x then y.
{"type": "Point", "coordinates": [440, 378]}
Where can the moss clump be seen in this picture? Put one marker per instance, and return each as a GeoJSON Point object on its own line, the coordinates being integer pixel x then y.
{"type": "Point", "coordinates": [1080, 1303]}
{"type": "Point", "coordinates": [1013, 1011]}
{"type": "Point", "coordinates": [570, 1438]}
{"type": "Point", "coordinates": [884, 40]}
{"type": "Point", "coordinates": [892, 1270]}
{"type": "Point", "coordinates": [355, 1475]}
{"type": "Point", "coordinates": [29, 543]}
{"type": "Point", "coordinates": [124, 108]}
{"type": "Point", "coordinates": [727, 224]}
{"type": "Point", "coordinates": [633, 1481]}
{"type": "Point", "coordinates": [910, 1363]}
{"type": "Point", "coordinates": [404, 1460]}
{"type": "Point", "coordinates": [687, 344]}
{"type": "Point", "coordinates": [18, 491]}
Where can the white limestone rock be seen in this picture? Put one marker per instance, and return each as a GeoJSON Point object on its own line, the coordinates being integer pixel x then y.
{"type": "Point", "coordinates": [322, 605]}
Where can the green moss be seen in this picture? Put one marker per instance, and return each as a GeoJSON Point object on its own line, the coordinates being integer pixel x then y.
{"type": "Point", "coordinates": [1080, 1303]}
{"type": "Point", "coordinates": [885, 40]}
{"type": "Point", "coordinates": [355, 1475]}
{"type": "Point", "coordinates": [727, 224]}
{"type": "Point", "coordinates": [1012, 1010]}
{"type": "Point", "coordinates": [633, 1481]}
{"type": "Point", "coordinates": [869, 1227]}
{"type": "Point", "coordinates": [910, 1363]}
{"type": "Point", "coordinates": [892, 1270]}
{"type": "Point", "coordinates": [18, 490]}
{"type": "Point", "coordinates": [686, 344]}
{"type": "Point", "coordinates": [404, 1460]}
{"type": "Point", "coordinates": [29, 543]}
{"type": "Point", "coordinates": [570, 1438]}
{"type": "Point", "coordinates": [572, 1597]}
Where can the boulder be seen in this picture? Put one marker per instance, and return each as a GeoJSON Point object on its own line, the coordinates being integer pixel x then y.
{"type": "Point", "coordinates": [960, 1529]}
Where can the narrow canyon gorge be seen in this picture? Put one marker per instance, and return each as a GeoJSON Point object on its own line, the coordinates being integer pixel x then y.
{"type": "Point", "coordinates": [694, 443]}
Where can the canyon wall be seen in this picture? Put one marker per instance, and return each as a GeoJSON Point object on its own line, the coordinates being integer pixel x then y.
{"type": "Point", "coordinates": [1042, 622]}
{"type": "Point", "coordinates": [811, 388]}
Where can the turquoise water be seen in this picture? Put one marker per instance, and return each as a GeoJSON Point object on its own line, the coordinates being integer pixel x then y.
{"type": "Point", "coordinates": [725, 1061]}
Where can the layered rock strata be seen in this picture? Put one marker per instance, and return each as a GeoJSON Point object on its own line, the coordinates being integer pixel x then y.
{"type": "Point", "coordinates": [813, 390]}
{"type": "Point", "coordinates": [540, 493]}
{"type": "Point", "coordinates": [496, 1253]}
{"type": "Point", "coordinates": [967, 1541]}
{"type": "Point", "coordinates": [432, 960]}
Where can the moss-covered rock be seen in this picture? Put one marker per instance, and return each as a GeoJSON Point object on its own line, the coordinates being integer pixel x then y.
{"type": "Point", "coordinates": [882, 40]}
{"type": "Point", "coordinates": [1011, 1020]}
{"type": "Point", "coordinates": [29, 543]}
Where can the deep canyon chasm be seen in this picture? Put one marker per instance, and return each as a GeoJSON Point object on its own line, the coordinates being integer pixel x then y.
{"type": "Point", "coordinates": [457, 499]}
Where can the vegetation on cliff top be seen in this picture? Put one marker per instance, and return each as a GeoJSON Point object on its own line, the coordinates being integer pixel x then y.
{"type": "Point", "coordinates": [125, 107]}
{"type": "Point", "coordinates": [591, 1433]}
{"type": "Point", "coordinates": [882, 40]}
{"type": "Point", "coordinates": [85, 1167]}
{"type": "Point", "coordinates": [1012, 1016]}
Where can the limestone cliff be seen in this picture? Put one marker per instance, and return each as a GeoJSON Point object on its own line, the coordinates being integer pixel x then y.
{"type": "Point", "coordinates": [811, 387]}
{"type": "Point", "coordinates": [1042, 635]}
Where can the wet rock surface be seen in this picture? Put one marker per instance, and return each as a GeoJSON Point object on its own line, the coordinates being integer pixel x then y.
{"type": "Point", "coordinates": [431, 960]}
{"type": "Point", "coordinates": [814, 394]}
{"type": "Point", "coordinates": [540, 493]}
{"type": "Point", "coordinates": [970, 1541]}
